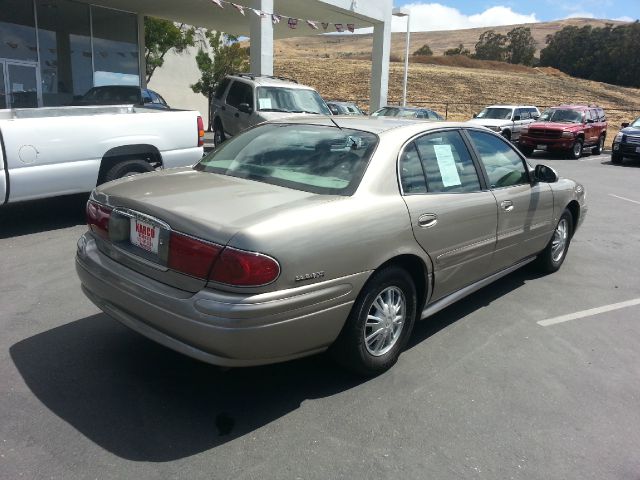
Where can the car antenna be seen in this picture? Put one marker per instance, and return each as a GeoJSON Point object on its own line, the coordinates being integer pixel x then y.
{"type": "Point", "coordinates": [335, 123]}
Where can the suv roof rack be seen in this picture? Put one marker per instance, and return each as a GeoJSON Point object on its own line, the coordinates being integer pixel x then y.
{"type": "Point", "coordinates": [253, 76]}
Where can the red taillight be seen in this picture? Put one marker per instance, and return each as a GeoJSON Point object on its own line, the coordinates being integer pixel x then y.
{"type": "Point", "coordinates": [192, 256]}
{"type": "Point", "coordinates": [98, 218]}
{"type": "Point", "coordinates": [244, 269]}
{"type": "Point", "coordinates": [200, 132]}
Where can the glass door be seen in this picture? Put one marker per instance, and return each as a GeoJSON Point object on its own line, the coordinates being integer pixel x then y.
{"type": "Point", "coordinates": [22, 83]}
{"type": "Point", "coordinates": [3, 89]}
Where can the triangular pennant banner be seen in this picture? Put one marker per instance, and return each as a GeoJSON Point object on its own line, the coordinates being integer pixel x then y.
{"type": "Point", "coordinates": [259, 13]}
{"type": "Point", "coordinates": [324, 25]}
{"type": "Point", "coordinates": [240, 8]}
{"type": "Point", "coordinates": [351, 27]}
{"type": "Point", "coordinates": [339, 27]}
{"type": "Point", "coordinates": [218, 3]}
{"type": "Point", "coordinates": [312, 24]}
{"type": "Point", "coordinates": [293, 23]}
{"type": "Point", "coordinates": [275, 19]}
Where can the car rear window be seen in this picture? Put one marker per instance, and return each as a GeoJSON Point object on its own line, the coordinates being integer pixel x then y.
{"type": "Point", "coordinates": [313, 158]}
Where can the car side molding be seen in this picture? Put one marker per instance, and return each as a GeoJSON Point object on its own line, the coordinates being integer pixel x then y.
{"type": "Point", "coordinates": [450, 299]}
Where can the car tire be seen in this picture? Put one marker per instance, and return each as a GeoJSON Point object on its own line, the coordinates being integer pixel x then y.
{"type": "Point", "coordinates": [127, 168]}
{"type": "Point", "coordinates": [598, 149]}
{"type": "Point", "coordinates": [506, 134]}
{"type": "Point", "coordinates": [358, 348]}
{"type": "Point", "coordinates": [218, 133]}
{"type": "Point", "coordinates": [576, 150]}
{"type": "Point", "coordinates": [551, 258]}
{"type": "Point", "coordinates": [616, 158]}
{"type": "Point", "coordinates": [526, 151]}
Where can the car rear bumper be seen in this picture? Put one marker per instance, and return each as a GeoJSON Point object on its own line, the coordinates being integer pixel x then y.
{"type": "Point", "coordinates": [218, 327]}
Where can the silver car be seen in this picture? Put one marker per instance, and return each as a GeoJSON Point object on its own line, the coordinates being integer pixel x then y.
{"type": "Point", "coordinates": [246, 99]}
{"type": "Point", "coordinates": [315, 234]}
{"type": "Point", "coordinates": [507, 120]}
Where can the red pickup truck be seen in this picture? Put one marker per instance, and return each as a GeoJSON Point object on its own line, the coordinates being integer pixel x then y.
{"type": "Point", "coordinates": [569, 128]}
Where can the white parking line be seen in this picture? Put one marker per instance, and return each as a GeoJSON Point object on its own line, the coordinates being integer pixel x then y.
{"type": "Point", "coordinates": [588, 313]}
{"type": "Point", "coordinates": [623, 198]}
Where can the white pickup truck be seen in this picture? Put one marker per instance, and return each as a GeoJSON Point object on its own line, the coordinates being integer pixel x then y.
{"type": "Point", "coordinates": [48, 152]}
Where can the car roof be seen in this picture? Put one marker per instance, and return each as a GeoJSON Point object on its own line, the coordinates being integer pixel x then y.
{"type": "Point", "coordinates": [375, 125]}
{"type": "Point", "coordinates": [269, 81]}
{"type": "Point", "coordinates": [338, 102]}
{"type": "Point", "coordinates": [576, 107]}
{"type": "Point", "coordinates": [411, 109]}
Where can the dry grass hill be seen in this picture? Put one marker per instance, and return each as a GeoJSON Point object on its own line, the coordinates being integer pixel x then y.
{"type": "Point", "coordinates": [457, 86]}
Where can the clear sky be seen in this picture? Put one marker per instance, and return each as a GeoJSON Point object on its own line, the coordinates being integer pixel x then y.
{"type": "Point", "coordinates": [457, 14]}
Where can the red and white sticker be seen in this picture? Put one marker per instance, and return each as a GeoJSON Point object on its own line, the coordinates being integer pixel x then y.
{"type": "Point", "coordinates": [144, 235]}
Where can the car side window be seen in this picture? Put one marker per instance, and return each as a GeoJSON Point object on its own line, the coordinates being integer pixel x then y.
{"type": "Point", "coordinates": [411, 172]}
{"type": "Point", "coordinates": [240, 93]}
{"type": "Point", "coordinates": [221, 88]}
{"type": "Point", "coordinates": [524, 114]}
{"type": "Point", "coordinates": [146, 97]}
{"type": "Point", "coordinates": [503, 165]}
{"type": "Point", "coordinates": [447, 163]}
{"type": "Point", "coordinates": [433, 115]}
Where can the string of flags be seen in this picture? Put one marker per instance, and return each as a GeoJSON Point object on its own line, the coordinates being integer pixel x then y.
{"type": "Point", "coordinates": [292, 22]}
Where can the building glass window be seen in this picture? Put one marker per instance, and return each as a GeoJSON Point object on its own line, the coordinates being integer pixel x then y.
{"type": "Point", "coordinates": [64, 35]}
{"type": "Point", "coordinates": [115, 47]}
{"type": "Point", "coordinates": [17, 31]}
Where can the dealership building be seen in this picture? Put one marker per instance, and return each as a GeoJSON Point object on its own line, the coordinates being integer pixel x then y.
{"type": "Point", "coordinates": [52, 51]}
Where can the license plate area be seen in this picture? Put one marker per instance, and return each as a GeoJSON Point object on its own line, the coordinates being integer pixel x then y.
{"type": "Point", "coordinates": [144, 235]}
{"type": "Point", "coordinates": [637, 149]}
{"type": "Point", "coordinates": [541, 147]}
{"type": "Point", "coordinates": [140, 235]}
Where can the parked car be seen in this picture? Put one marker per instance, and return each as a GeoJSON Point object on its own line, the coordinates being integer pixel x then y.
{"type": "Point", "coordinates": [344, 108]}
{"type": "Point", "coordinates": [122, 95]}
{"type": "Point", "coordinates": [63, 150]}
{"type": "Point", "coordinates": [407, 112]}
{"type": "Point", "coordinates": [301, 235]}
{"type": "Point", "coordinates": [568, 128]}
{"type": "Point", "coordinates": [626, 143]}
{"type": "Point", "coordinates": [507, 120]}
{"type": "Point", "coordinates": [245, 99]}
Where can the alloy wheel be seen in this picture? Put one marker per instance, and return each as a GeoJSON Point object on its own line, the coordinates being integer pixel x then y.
{"type": "Point", "coordinates": [559, 241]}
{"type": "Point", "coordinates": [385, 320]}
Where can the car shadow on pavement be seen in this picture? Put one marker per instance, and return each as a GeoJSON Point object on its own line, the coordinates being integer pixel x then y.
{"type": "Point", "coordinates": [144, 402]}
{"type": "Point", "coordinates": [629, 163]}
{"type": "Point", "coordinates": [42, 215]}
{"type": "Point", "coordinates": [483, 297]}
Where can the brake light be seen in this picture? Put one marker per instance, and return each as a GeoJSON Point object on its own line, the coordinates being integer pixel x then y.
{"type": "Point", "coordinates": [244, 269]}
{"type": "Point", "coordinates": [192, 256]}
{"type": "Point", "coordinates": [98, 217]}
{"type": "Point", "coordinates": [200, 131]}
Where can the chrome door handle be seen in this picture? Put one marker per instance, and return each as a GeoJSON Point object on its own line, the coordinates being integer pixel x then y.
{"type": "Point", "coordinates": [507, 205]}
{"type": "Point", "coordinates": [427, 220]}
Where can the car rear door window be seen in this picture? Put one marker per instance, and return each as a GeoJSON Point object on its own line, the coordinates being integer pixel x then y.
{"type": "Point", "coordinates": [240, 93]}
{"type": "Point", "coordinates": [447, 163]}
{"type": "Point", "coordinates": [503, 165]}
{"type": "Point", "coordinates": [411, 172]}
{"type": "Point", "coordinates": [221, 88]}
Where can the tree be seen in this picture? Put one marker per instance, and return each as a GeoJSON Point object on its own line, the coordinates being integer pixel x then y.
{"type": "Point", "coordinates": [424, 50]}
{"type": "Point", "coordinates": [604, 54]}
{"type": "Point", "coordinates": [491, 46]}
{"type": "Point", "coordinates": [160, 36]}
{"type": "Point", "coordinates": [225, 56]}
{"type": "Point", "coordinates": [459, 50]}
{"type": "Point", "coordinates": [521, 46]}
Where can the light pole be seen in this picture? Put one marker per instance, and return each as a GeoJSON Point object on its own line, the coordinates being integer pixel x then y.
{"type": "Point", "coordinates": [404, 12]}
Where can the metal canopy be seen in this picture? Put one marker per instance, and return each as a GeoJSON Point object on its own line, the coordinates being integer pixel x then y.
{"type": "Point", "coordinates": [204, 13]}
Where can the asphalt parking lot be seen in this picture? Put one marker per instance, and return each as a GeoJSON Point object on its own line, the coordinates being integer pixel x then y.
{"type": "Point", "coordinates": [483, 391]}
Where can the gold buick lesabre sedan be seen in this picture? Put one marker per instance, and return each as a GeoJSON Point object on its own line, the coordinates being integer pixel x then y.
{"type": "Point", "coordinates": [300, 236]}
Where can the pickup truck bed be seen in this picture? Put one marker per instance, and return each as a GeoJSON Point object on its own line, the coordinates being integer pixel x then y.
{"type": "Point", "coordinates": [63, 150]}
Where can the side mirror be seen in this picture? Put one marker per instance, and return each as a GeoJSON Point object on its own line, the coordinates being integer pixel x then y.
{"type": "Point", "coordinates": [535, 116]}
{"type": "Point", "coordinates": [545, 174]}
{"type": "Point", "coordinates": [245, 108]}
{"type": "Point", "coordinates": [517, 118]}
{"type": "Point", "coordinates": [475, 115]}
{"type": "Point", "coordinates": [590, 120]}
{"type": "Point", "coordinates": [625, 124]}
